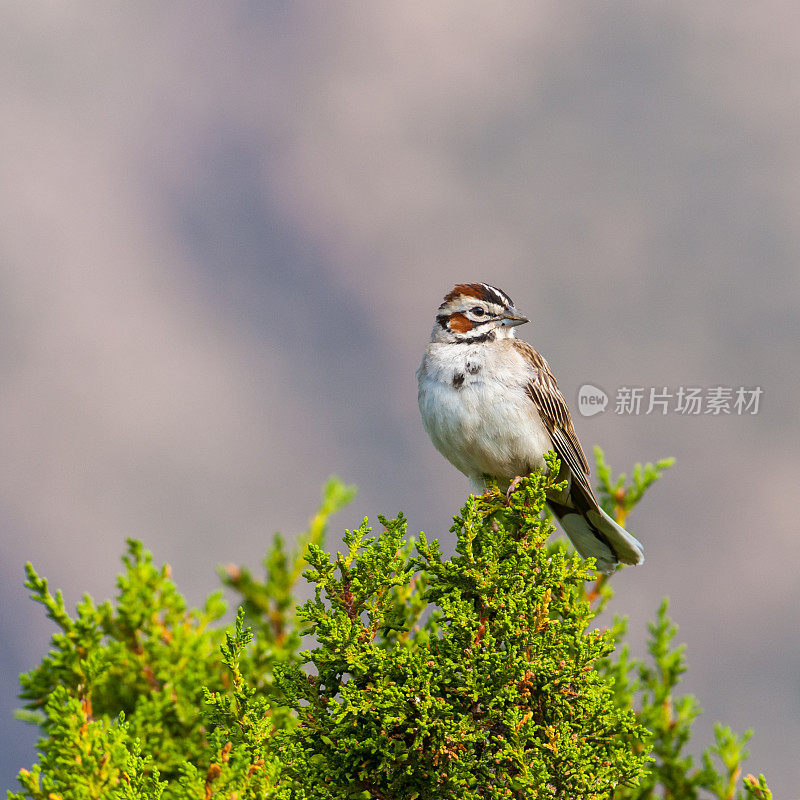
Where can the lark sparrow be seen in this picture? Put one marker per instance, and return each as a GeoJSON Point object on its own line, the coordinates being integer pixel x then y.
{"type": "Point", "coordinates": [492, 408]}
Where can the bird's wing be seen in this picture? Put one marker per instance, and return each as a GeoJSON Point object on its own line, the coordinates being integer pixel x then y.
{"type": "Point", "coordinates": [552, 407]}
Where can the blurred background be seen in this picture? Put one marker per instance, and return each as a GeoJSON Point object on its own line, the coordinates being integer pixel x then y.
{"type": "Point", "coordinates": [225, 232]}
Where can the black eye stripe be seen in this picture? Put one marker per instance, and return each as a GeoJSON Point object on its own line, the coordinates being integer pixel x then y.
{"type": "Point", "coordinates": [444, 319]}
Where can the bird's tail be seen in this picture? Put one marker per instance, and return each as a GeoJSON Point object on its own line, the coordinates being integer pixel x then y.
{"type": "Point", "coordinates": [595, 534]}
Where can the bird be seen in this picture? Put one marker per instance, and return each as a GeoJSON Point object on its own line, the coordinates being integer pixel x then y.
{"type": "Point", "coordinates": [491, 406]}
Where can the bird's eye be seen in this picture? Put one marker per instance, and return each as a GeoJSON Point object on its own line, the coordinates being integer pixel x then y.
{"type": "Point", "coordinates": [477, 311]}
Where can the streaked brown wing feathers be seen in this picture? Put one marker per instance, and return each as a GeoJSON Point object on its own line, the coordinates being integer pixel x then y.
{"type": "Point", "coordinates": [552, 407]}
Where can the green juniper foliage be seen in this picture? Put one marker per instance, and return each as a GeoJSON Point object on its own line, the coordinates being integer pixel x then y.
{"type": "Point", "coordinates": [617, 496]}
{"type": "Point", "coordinates": [501, 699]}
{"type": "Point", "coordinates": [477, 676]}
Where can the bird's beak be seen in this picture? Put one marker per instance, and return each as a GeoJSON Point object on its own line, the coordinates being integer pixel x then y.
{"type": "Point", "coordinates": [512, 318]}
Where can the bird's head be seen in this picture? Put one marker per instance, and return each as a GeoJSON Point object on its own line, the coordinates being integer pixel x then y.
{"type": "Point", "coordinates": [476, 312]}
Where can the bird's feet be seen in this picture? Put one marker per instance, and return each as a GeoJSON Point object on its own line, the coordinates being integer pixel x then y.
{"type": "Point", "coordinates": [512, 488]}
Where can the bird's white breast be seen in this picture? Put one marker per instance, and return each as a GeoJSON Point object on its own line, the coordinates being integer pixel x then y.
{"type": "Point", "coordinates": [477, 412]}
